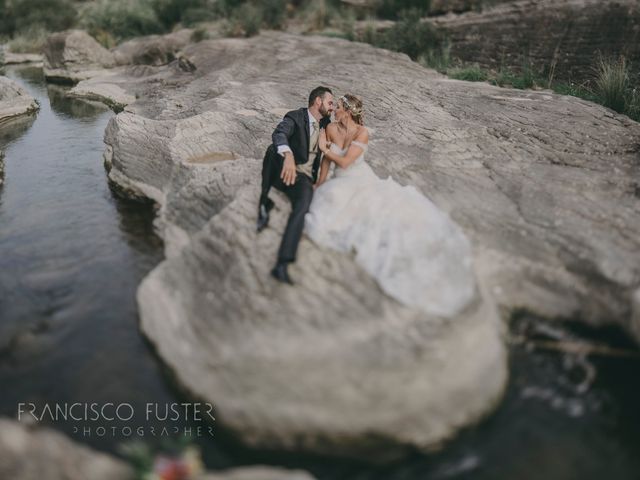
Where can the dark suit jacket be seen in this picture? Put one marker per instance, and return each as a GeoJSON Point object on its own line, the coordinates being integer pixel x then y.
{"type": "Point", "coordinates": [293, 131]}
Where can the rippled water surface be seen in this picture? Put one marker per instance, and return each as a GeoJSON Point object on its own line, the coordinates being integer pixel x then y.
{"type": "Point", "coordinates": [72, 253]}
{"type": "Point", "coordinates": [71, 256]}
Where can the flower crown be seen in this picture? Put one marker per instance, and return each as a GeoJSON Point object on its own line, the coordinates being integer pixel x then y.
{"type": "Point", "coordinates": [351, 108]}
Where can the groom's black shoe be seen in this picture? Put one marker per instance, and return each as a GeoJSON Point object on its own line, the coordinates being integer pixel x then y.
{"type": "Point", "coordinates": [264, 208]}
{"type": "Point", "coordinates": [280, 273]}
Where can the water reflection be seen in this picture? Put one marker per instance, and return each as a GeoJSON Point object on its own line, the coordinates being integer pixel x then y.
{"type": "Point", "coordinates": [70, 106]}
{"type": "Point", "coordinates": [71, 257]}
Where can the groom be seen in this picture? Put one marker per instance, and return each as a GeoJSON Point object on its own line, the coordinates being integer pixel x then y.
{"type": "Point", "coordinates": [291, 165]}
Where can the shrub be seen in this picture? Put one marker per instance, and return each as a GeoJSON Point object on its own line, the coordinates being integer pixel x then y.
{"type": "Point", "coordinates": [317, 15]}
{"type": "Point", "coordinates": [633, 105]}
{"type": "Point", "coordinates": [393, 9]}
{"type": "Point", "coordinates": [23, 15]}
{"type": "Point", "coordinates": [370, 35]}
{"type": "Point", "coordinates": [171, 12]}
{"type": "Point", "coordinates": [526, 78]}
{"type": "Point", "coordinates": [438, 58]}
{"type": "Point", "coordinates": [193, 16]}
{"type": "Point", "coordinates": [104, 38]}
{"type": "Point", "coordinates": [346, 24]}
{"type": "Point", "coordinates": [29, 40]}
{"type": "Point", "coordinates": [612, 82]}
{"type": "Point", "coordinates": [246, 21]}
{"type": "Point", "coordinates": [7, 23]}
{"type": "Point", "coordinates": [199, 34]}
{"type": "Point", "coordinates": [274, 13]}
{"type": "Point", "coordinates": [122, 18]}
{"type": "Point", "coordinates": [521, 80]}
{"type": "Point", "coordinates": [409, 35]}
{"type": "Point", "coordinates": [227, 7]}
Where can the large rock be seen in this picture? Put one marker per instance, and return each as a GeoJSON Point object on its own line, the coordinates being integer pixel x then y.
{"type": "Point", "coordinates": [558, 37]}
{"type": "Point", "coordinates": [31, 452]}
{"type": "Point", "coordinates": [332, 366]}
{"type": "Point", "coordinates": [14, 101]}
{"type": "Point", "coordinates": [11, 58]}
{"type": "Point", "coordinates": [545, 185]}
{"type": "Point", "coordinates": [137, 60]}
{"type": "Point", "coordinates": [153, 49]}
{"type": "Point", "coordinates": [34, 453]}
{"type": "Point", "coordinates": [74, 55]}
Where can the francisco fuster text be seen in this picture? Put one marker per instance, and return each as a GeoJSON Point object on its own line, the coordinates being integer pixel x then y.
{"type": "Point", "coordinates": [174, 418]}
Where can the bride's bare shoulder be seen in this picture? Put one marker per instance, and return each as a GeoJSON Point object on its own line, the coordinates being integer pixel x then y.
{"type": "Point", "coordinates": [363, 135]}
{"type": "Point", "coordinates": [333, 132]}
{"type": "Point", "coordinates": [332, 127]}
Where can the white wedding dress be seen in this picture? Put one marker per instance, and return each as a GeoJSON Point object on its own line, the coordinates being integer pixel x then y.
{"type": "Point", "coordinates": [414, 250]}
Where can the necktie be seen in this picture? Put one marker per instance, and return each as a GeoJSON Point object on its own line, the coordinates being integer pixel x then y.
{"type": "Point", "coordinates": [315, 134]}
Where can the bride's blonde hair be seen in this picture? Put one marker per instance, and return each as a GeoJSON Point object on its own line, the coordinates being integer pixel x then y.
{"type": "Point", "coordinates": [353, 105]}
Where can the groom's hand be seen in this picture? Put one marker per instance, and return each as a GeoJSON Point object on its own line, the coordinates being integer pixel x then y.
{"type": "Point", "coordinates": [288, 174]}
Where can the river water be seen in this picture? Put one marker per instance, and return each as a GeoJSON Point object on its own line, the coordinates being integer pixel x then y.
{"type": "Point", "coordinates": [72, 253]}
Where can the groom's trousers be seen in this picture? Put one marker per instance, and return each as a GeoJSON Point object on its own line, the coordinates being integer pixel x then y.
{"type": "Point", "coordinates": [299, 194]}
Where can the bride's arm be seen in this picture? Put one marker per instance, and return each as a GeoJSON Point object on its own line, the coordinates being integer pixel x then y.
{"type": "Point", "coordinates": [324, 141]}
{"type": "Point", "coordinates": [324, 171]}
{"type": "Point", "coordinates": [350, 156]}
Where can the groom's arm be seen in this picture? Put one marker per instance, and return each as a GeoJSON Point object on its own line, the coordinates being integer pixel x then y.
{"type": "Point", "coordinates": [280, 138]}
{"type": "Point", "coordinates": [282, 133]}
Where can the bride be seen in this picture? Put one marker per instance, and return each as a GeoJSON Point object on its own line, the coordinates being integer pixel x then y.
{"type": "Point", "coordinates": [415, 252]}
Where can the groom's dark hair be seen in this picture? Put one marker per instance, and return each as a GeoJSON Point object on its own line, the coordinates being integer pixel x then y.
{"type": "Point", "coordinates": [318, 92]}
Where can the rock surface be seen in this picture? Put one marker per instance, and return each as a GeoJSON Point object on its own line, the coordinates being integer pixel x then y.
{"type": "Point", "coordinates": [258, 473]}
{"type": "Point", "coordinates": [31, 452]}
{"type": "Point", "coordinates": [74, 55]}
{"type": "Point", "coordinates": [153, 49]}
{"type": "Point", "coordinates": [34, 453]}
{"type": "Point", "coordinates": [562, 35]}
{"type": "Point", "coordinates": [545, 186]}
{"type": "Point", "coordinates": [380, 378]}
{"type": "Point", "coordinates": [11, 58]}
{"type": "Point", "coordinates": [14, 101]}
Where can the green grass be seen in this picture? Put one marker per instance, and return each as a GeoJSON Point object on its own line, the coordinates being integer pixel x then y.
{"type": "Point", "coordinates": [611, 86]}
{"type": "Point", "coordinates": [633, 105]}
{"type": "Point", "coordinates": [437, 57]}
{"type": "Point", "coordinates": [470, 74]}
{"type": "Point", "coordinates": [574, 90]}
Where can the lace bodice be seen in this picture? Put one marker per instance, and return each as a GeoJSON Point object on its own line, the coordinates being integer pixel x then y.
{"type": "Point", "coordinates": [342, 151]}
{"type": "Point", "coordinates": [355, 142]}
